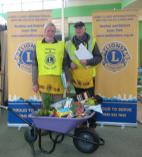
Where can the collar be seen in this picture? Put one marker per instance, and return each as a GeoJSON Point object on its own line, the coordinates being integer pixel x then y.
{"type": "Point", "coordinates": [43, 41]}
{"type": "Point", "coordinates": [84, 40]}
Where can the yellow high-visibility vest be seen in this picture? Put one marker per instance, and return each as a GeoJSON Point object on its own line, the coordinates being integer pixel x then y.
{"type": "Point", "coordinates": [50, 59]}
{"type": "Point", "coordinates": [82, 76]}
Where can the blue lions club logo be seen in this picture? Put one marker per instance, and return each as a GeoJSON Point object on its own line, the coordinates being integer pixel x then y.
{"type": "Point", "coordinates": [50, 59]}
{"type": "Point", "coordinates": [23, 56]}
{"type": "Point", "coordinates": [115, 56]}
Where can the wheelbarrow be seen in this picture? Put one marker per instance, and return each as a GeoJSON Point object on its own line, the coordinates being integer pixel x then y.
{"type": "Point", "coordinates": [85, 139]}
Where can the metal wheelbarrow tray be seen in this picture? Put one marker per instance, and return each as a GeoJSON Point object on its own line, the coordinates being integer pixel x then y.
{"type": "Point", "coordinates": [56, 124]}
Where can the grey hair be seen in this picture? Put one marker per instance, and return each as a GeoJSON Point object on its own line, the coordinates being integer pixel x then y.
{"type": "Point", "coordinates": [48, 25]}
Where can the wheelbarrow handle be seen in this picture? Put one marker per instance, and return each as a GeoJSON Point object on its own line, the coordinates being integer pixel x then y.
{"type": "Point", "coordinates": [4, 107]}
{"type": "Point", "coordinates": [16, 114]}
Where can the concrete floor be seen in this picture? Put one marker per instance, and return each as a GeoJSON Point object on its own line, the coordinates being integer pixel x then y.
{"type": "Point", "coordinates": [119, 142]}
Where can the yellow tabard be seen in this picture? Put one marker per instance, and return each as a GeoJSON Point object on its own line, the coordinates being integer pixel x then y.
{"type": "Point", "coordinates": [50, 84]}
{"type": "Point", "coordinates": [50, 57]}
{"type": "Point", "coordinates": [82, 77]}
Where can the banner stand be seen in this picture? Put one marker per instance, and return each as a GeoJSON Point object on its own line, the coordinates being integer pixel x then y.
{"type": "Point", "coordinates": [116, 77]}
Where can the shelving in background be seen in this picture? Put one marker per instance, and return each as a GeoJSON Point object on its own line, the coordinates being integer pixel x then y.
{"type": "Point", "coordinates": [139, 95]}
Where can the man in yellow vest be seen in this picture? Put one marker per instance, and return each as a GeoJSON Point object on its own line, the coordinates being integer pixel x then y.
{"type": "Point", "coordinates": [49, 62]}
{"type": "Point", "coordinates": [83, 71]}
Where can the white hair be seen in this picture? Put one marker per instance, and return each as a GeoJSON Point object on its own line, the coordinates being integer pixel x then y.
{"type": "Point", "coordinates": [49, 25]}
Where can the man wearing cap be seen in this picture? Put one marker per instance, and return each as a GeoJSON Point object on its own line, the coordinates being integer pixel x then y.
{"type": "Point", "coordinates": [83, 71]}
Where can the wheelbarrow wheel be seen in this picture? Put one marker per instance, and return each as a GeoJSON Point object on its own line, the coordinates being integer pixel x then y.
{"type": "Point", "coordinates": [31, 135]}
{"type": "Point", "coordinates": [86, 140]}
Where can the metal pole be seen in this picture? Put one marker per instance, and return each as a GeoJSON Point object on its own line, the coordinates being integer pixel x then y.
{"type": "Point", "coordinates": [2, 7]}
{"type": "Point", "coordinates": [62, 23]}
{"type": "Point", "coordinates": [42, 4]}
{"type": "Point", "coordinates": [21, 5]}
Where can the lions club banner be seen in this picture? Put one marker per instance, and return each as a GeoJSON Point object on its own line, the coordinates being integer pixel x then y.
{"type": "Point", "coordinates": [117, 36]}
{"type": "Point", "coordinates": [24, 29]}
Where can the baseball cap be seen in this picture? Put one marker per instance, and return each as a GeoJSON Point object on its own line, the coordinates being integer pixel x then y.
{"type": "Point", "coordinates": [79, 24]}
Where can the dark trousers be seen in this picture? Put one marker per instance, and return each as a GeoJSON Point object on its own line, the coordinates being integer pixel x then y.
{"type": "Point", "coordinates": [89, 91]}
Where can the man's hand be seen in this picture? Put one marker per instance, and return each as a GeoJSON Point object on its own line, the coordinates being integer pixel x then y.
{"type": "Point", "coordinates": [35, 88]}
{"type": "Point", "coordinates": [73, 66]}
{"type": "Point", "coordinates": [83, 61]}
{"type": "Point", "coordinates": [68, 86]}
